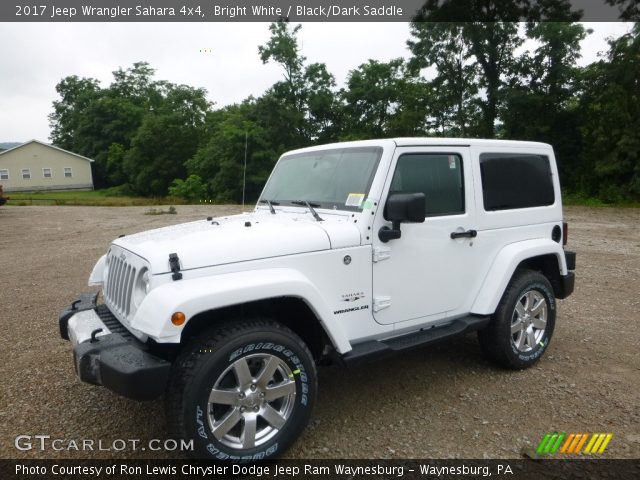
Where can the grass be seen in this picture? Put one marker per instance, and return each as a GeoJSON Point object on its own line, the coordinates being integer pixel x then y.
{"type": "Point", "coordinates": [584, 201]}
{"type": "Point", "coordinates": [94, 198]}
{"type": "Point", "coordinates": [158, 211]}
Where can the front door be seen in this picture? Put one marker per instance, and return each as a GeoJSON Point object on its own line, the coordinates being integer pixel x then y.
{"type": "Point", "coordinates": [426, 275]}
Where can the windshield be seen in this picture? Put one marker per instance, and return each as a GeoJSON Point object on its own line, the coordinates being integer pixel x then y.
{"type": "Point", "coordinates": [337, 179]}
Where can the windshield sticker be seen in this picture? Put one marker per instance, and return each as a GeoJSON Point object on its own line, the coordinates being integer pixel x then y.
{"type": "Point", "coordinates": [452, 162]}
{"type": "Point", "coordinates": [368, 204]}
{"type": "Point", "coordinates": [354, 199]}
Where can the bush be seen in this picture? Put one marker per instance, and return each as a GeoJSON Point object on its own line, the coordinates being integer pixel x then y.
{"type": "Point", "coordinates": [192, 189]}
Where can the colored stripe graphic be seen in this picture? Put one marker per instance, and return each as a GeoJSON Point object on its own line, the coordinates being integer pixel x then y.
{"type": "Point", "coordinates": [556, 445]}
{"type": "Point", "coordinates": [605, 443]}
{"type": "Point", "coordinates": [550, 443]}
{"type": "Point", "coordinates": [558, 442]}
{"type": "Point", "coordinates": [543, 443]}
{"type": "Point", "coordinates": [567, 443]}
{"type": "Point", "coordinates": [581, 443]}
{"type": "Point", "coordinates": [593, 439]}
{"type": "Point", "coordinates": [598, 443]}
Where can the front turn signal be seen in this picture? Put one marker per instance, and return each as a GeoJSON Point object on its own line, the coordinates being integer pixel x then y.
{"type": "Point", "coordinates": [178, 318]}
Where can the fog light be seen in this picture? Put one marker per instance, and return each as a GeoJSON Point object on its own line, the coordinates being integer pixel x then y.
{"type": "Point", "coordinates": [178, 318]}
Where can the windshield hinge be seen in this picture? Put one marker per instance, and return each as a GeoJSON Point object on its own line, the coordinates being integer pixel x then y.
{"type": "Point", "coordinates": [381, 253]}
{"type": "Point", "coordinates": [174, 264]}
{"type": "Point", "coordinates": [380, 303]}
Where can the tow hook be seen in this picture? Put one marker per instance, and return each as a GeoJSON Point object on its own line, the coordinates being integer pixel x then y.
{"type": "Point", "coordinates": [94, 339]}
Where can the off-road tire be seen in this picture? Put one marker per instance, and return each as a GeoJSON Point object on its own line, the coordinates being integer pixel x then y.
{"type": "Point", "coordinates": [497, 341]}
{"type": "Point", "coordinates": [217, 356]}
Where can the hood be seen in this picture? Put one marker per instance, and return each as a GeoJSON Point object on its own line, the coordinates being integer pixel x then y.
{"type": "Point", "coordinates": [238, 238]}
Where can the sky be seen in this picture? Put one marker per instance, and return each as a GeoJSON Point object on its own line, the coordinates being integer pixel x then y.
{"type": "Point", "coordinates": [220, 57]}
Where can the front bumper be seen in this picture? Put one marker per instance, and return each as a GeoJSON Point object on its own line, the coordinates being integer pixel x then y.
{"type": "Point", "coordinates": [106, 354]}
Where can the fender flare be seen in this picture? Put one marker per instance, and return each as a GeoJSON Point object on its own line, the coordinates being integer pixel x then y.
{"type": "Point", "coordinates": [194, 296]}
{"type": "Point", "coordinates": [504, 266]}
{"type": "Point", "coordinates": [96, 277]}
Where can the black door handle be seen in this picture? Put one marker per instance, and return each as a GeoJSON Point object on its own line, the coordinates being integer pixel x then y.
{"type": "Point", "coordinates": [468, 233]}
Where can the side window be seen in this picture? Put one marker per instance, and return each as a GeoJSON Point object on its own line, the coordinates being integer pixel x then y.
{"type": "Point", "coordinates": [4, 174]}
{"type": "Point", "coordinates": [26, 173]}
{"type": "Point", "coordinates": [514, 180]}
{"type": "Point", "coordinates": [67, 172]}
{"type": "Point", "coordinates": [437, 175]}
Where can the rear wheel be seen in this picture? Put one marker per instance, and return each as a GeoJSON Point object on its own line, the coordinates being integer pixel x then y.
{"type": "Point", "coordinates": [523, 323]}
{"type": "Point", "coordinates": [243, 392]}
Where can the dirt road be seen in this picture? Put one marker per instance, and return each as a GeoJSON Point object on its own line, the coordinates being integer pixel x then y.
{"type": "Point", "coordinates": [439, 402]}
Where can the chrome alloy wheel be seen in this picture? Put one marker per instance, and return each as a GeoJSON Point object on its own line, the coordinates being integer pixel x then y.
{"type": "Point", "coordinates": [529, 321]}
{"type": "Point", "coordinates": [251, 401]}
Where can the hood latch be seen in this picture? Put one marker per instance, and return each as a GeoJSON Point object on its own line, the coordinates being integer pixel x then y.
{"type": "Point", "coordinates": [174, 264]}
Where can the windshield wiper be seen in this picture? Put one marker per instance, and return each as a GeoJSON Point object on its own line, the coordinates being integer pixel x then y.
{"type": "Point", "coordinates": [271, 203]}
{"type": "Point", "coordinates": [310, 207]}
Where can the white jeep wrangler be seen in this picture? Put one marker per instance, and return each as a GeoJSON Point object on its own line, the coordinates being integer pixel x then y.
{"type": "Point", "coordinates": [355, 250]}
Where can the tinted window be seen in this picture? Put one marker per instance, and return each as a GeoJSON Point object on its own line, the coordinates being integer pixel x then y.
{"type": "Point", "coordinates": [512, 180]}
{"type": "Point", "coordinates": [438, 176]}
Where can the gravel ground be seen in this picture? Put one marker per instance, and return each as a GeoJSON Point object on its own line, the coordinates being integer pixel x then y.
{"type": "Point", "coordinates": [438, 402]}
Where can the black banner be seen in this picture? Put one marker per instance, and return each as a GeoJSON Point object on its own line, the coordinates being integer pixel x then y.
{"type": "Point", "coordinates": [311, 10]}
{"type": "Point", "coordinates": [321, 469]}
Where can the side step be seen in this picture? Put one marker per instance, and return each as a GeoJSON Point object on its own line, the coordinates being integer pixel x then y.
{"type": "Point", "coordinates": [365, 351]}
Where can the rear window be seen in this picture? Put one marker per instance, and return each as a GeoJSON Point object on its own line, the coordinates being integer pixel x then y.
{"type": "Point", "coordinates": [514, 180]}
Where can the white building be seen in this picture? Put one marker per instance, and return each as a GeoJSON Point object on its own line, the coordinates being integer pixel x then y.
{"type": "Point", "coordinates": [35, 165]}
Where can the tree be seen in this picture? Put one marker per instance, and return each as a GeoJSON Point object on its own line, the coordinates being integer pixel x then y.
{"type": "Point", "coordinates": [372, 97]}
{"type": "Point", "coordinates": [88, 120]}
{"type": "Point", "coordinates": [488, 31]}
{"type": "Point", "coordinates": [455, 86]}
{"type": "Point", "coordinates": [381, 99]}
{"type": "Point", "coordinates": [305, 97]}
{"type": "Point", "coordinates": [540, 104]}
{"type": "Point", "coordinates": [629, 9]}
{"type": "Point", "coordinates": [76, 95]}
{"type": "Point", "coordinates": [610, 105]}
{"type": "Point", "coordinates": [231, 132]}
{"type": "Point", "coordinates": [166, 139]}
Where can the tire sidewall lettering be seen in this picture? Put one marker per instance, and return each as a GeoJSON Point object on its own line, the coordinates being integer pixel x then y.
{"type": "Point", "coordinates": [201, 426]}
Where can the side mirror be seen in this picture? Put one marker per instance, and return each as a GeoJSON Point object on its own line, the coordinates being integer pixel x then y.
{"type": "Point", "coordinates": [402, 207]}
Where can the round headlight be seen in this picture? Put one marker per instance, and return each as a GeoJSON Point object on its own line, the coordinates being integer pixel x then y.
{"type": "Point", "coordinates": [142, 285]}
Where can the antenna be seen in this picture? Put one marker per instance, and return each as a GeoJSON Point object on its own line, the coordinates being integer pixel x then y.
{"type": "Point", "coordinates": [244, 172]}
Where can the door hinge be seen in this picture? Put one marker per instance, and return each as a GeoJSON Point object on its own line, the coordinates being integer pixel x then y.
{"type": "Point", "coordinates": [381, 253]}
{"type": "Point", "coordinates": [380, 303]}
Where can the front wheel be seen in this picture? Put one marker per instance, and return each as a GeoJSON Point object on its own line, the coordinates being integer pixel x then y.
{"type": "Point", "coordinates": [523, 323]}
{"type": "Point", "coordinates": [243, 392]}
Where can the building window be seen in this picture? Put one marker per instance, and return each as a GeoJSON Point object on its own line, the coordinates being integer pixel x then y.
{"type": "Point", "coordinates": [67, 172]}
{"type": "Point", "coordinates": [46, 173]}
{"type": "Point", "coordinates": [4, 174]}
{"type": "Point", "coordinates": [26, 174]}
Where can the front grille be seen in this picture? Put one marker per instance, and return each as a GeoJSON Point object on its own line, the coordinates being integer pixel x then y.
{"type": "Point", "coordinates": [119, 284]}
{"type": "Point", "coordinates": [112, 322]}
